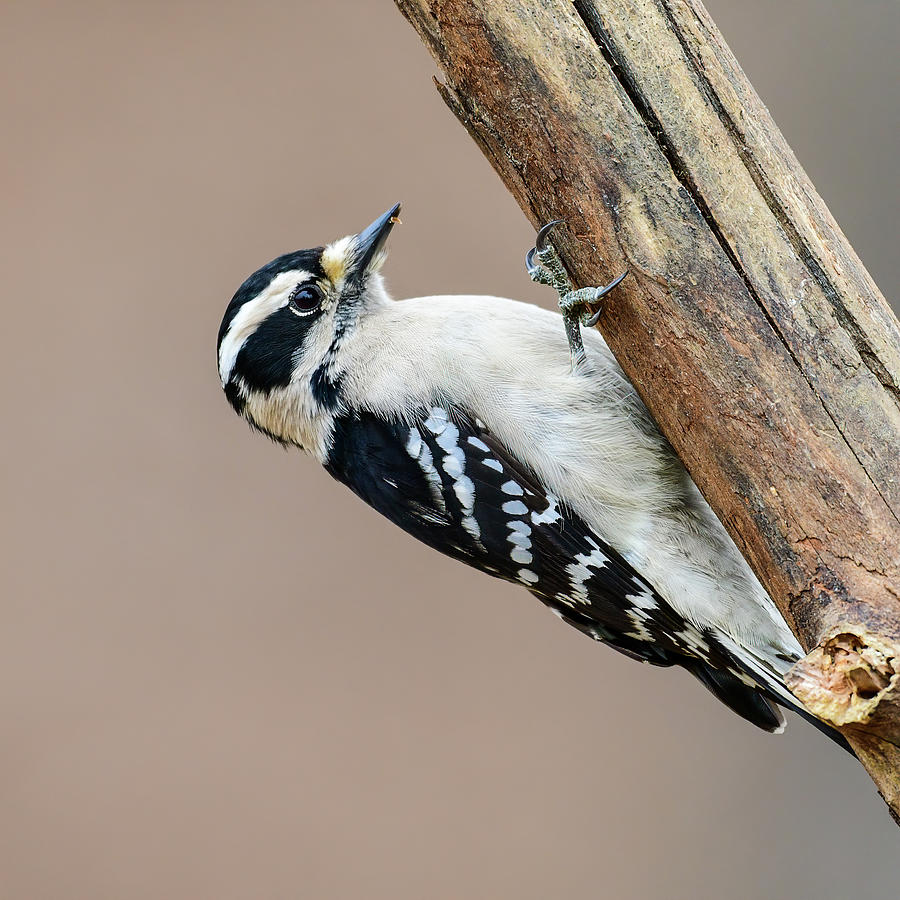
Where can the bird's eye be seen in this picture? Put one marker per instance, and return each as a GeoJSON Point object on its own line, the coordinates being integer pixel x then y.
{"type": "Point", "coordinates": [306, 299]}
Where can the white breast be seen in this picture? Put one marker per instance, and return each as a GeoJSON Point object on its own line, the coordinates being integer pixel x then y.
{"type": "Point", "coordinates": [587, 435]}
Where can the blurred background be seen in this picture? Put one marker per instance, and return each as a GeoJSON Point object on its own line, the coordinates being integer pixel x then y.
{"type": "Point", "coordinates": [221, 675]}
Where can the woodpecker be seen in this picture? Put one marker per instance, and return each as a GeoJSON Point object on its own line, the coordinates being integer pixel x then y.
{"type": "Point", "coordinates": [486, 430]}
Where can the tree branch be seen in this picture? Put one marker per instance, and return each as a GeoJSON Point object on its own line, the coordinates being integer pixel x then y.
{"type": "Point", "coordinates": [749, 326]}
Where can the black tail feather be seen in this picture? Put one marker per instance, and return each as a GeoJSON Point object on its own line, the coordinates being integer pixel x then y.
{"type": "Point", "coordinates": [824, 727]}
{"type": "Point", "coordinates": [746, 701]}
{"type": "Point", "coordinates": [755, 704]}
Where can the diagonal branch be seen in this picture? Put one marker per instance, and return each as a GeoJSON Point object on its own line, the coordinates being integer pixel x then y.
{"type": "Point", "coordinates": [750, 327]}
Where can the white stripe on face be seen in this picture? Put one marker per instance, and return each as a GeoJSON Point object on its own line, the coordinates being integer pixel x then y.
{"type": "Point", "coordinates": [253, 313]}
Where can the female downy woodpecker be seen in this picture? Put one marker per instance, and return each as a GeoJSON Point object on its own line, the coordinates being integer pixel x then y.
{"type": "Point", "coordinates": [475, 426]}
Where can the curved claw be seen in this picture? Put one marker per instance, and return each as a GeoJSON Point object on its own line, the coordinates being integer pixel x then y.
{"type": "Point", "coordinates": [529, 260]}
{"type": "Point", "coordinates": [540, 242]}
{"type": "Point", "coordinates": [595, 318]}
{"type": "Point", "coordinates": [605, 290]}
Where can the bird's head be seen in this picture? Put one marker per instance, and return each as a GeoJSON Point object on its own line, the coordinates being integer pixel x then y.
{"type": "Point", "coordinates": [282, 331]}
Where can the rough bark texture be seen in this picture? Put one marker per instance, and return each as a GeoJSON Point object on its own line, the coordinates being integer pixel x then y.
{"type": "Point", "coordinates": [748, 324]}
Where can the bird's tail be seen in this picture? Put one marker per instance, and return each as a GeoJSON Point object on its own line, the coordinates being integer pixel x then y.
{"type": "Point", "coordinates": [740, 698]}
{"type": "Point", "coordinates": [759, 703]}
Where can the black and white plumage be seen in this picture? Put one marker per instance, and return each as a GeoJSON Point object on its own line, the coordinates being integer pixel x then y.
{"type": "Point", "coordinates": [462, 421]}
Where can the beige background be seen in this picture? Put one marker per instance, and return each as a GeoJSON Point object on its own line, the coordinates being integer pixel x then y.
{"type": "Point", "coordinates": [220, 675]}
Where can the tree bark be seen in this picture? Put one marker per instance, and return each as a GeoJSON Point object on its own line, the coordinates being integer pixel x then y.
{"type": "Point", "coordinates": [748, 324]}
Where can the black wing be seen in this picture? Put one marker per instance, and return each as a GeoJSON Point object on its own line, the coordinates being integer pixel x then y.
{"type": "Point", "coordinates": [446, 480]}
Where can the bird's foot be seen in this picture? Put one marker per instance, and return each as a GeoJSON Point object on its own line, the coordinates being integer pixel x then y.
{"type": "Point", "coordinates": [545, 267]}
{"type": "Point", "coordinates": [543, 262]}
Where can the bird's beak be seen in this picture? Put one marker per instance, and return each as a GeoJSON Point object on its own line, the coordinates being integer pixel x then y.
{"type": "Point", "coordinates": [370, 242]}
